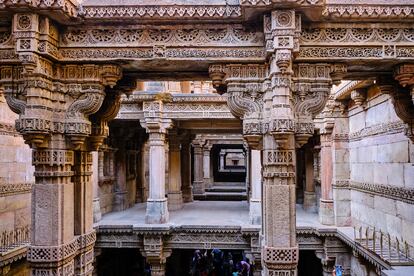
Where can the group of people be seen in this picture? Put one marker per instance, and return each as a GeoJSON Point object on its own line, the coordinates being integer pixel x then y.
{"type": "Point", "coordinates": [219, 263]}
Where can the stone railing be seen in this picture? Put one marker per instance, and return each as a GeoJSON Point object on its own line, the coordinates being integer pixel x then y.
{"type": "Point", "coordinates": [10, 240]}
{"type": "Point", "coordinates": [391, 249]}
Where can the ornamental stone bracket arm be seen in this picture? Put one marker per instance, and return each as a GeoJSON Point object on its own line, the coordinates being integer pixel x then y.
{"type": "Point", "coordinates": [244, 86]}
{"type": "Point", "coordinates": [402, 101]}
{"type": "Point", "coordinates": [86, 93]}
{"type": "Point", "coordinates": [108, 111]}
{"type": "Point", "coordinates": [404, 74]}
{"type": "Point", "coordinates": [311, 88]}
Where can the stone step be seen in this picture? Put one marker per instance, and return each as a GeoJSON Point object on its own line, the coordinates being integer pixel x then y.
{"type": "Point", "coordinates": [226, 189]}
{"type": "Point", "coordinates": [222, 196]}
{"type": "Point", "coordinates": [239, 184]}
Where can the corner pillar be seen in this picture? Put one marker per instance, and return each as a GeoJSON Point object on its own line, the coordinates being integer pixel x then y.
{"type": "Point", "coordinates": [198, 183]}
{"type": "Point", "coordinates": [175, 196]}
{"type": "Point", "coordinates": [207, 166]}
{"type": "Point", "coordinates": [255, 206]}
{"type": "Point", "coordinates": [186, 186]}
{"type": "Point", "coordinates": [326, 204]}
{"type": "Point", "coordinates": [309, 199]}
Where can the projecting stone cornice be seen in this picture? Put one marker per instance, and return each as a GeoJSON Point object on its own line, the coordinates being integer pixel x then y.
{"type": "Point", "coordinates": [176, 106]}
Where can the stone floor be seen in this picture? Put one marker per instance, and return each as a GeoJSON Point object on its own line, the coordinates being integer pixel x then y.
{"type": "Point", "coordinates": [223, 213]}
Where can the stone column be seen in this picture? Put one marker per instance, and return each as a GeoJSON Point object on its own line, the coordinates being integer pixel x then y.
{"type": "Point", "coordinates": [175, 196]}
{"type": "Point", "coordinates": [309, 199]}
{"type": "Point", "coordinates": [222, 161]}
{"type": "Point", "coordinates": [187, 189]}
{"type": "Point", "coordinates": [198, 183]}
{"type": "Point", "coordinates": [157, 207]}
{"type": "Point", "coordinates": [255, 208]}
{"type": "Point", "coordinates": [326, 208]}
{"type": "Point", "coordinates": [96, 163]}
{"type": "Point", "coordinates": [83, 212]}
{"type": "Point", "coordinates": [145, 171]}
{"type": "Point", "coordinates": [206, 166]}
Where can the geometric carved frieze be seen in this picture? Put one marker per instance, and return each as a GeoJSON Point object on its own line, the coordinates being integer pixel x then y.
{"type": "Point", "coordinates": [161, 12]}
{"type": "Point", "coordinates": [363, 41]}
{"type": "Point", "coordinates": [15, 188]}
{"type": "Point", "coordinates": [208, 241]}
{"type": "Point", "coordinates": [226, 35]}
{"type": "Point", "coordinates": [392, 192]}
{"type": "Point", "coordinates": [248, 53]}
{"type": "Point", "coordinates": [399, 9]}
{"type": "Point", "coordinates": [342, 35]}
{"type": "Point", "coordinates": [63, 252]}
{"type": "Point", "coordinates": [378, 129]}
{"type": "Point", "coordinates": [280, 258]}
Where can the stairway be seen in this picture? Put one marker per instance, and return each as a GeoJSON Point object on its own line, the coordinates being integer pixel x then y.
{"type": "Point", "coordinates": [224, 191]}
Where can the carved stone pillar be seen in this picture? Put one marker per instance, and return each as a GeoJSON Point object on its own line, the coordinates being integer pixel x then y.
{"type": "Point", "coordinates": [222, 162]}
{"type": "Point", "coordinates": [255, 207]}
{"type": "Point", "coordinates": [309, 199]}
{"type": "Point", "coordinates": [96, 163]}
{"type": "Point", "coordinates": [175, 196]}
{"type": "Point", "coordinates": [206, 166]}
{"type": "Point", "coordinates": [326, 205]}
{"type": "Point", "coordinates": [186, 187]}
{"type": "Point", "coordinates": [54, 103]}
{"type": "Point", "coordinates": [157, 209]}
{"type": "Point", "coordinates": [198, 183]}
{"type": "Point", "coordinates": [156, 127]}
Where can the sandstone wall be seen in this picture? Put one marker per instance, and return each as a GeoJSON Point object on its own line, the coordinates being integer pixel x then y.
{"type": "Point", "coordinates": [381, 168]}
{"type": "Point", "coordinates": [16, 173]}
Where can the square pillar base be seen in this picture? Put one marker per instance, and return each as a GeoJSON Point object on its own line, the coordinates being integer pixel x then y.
{"type": "Point", "coordinates": [157, 211]}
{"type": "Point", "coordinates": [198, 187]}
{"type": "Point", "coordinates": [326, 212]}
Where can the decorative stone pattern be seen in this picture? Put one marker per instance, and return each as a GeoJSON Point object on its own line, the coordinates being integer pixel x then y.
{"type": "Point", "coordinates": [13, 189]}
{"type": "Point", "coordinates": [150, 12]}
{"type": "Point", "coordinates": [397, 193]}
{"type": "Point", "coordinates": [144, 37]}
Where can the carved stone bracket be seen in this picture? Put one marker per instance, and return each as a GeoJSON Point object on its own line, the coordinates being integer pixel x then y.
{"type": "Point", "coordinates": [405, 75]}
{"type": "Point", "coordinates": [311, 89]}
{"type": "Point", "coordinates": [245, 88]}
{"type": "Point", "coordinates": [402, 101]}
{"type": "Point", "coordinates": [155, 253]}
